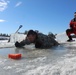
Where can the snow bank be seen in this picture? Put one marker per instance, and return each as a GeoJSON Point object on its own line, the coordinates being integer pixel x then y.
{"type": "Point", "coordinates": [13, 38]}
{"type": "Point", "coordinates": [17, 37]}
{"type": "Point", "coordinates": [62, 37]}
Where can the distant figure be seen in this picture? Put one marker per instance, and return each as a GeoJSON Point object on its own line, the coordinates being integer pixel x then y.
{"type": "Point", "coordinates": [72, 29]}
{"type": "Point", "coordinates": [40, 40]}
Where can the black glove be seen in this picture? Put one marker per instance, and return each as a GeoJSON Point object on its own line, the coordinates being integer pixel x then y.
{"type": "Point", "coordinates": [17, 44]}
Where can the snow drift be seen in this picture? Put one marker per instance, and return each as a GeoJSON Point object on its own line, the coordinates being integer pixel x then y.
{"type": "Point", "coordinates": [62, 37]}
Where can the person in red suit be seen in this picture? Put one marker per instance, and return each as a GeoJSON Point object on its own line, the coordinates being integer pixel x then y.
{"type": "Point", "coordinates": [72, 29]}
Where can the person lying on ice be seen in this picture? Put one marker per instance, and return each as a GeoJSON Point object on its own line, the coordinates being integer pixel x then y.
{"type": "Point", "coordinates": [72, 29]}
{"type": "Point", "coordinates": [40, 40]}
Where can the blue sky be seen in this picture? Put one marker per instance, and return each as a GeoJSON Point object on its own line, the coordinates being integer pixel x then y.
{"type": "Point", "coordinates": [43, 15]}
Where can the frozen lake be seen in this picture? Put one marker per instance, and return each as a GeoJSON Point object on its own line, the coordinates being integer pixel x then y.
{"type": "Point", "coordinates": [59, 60]}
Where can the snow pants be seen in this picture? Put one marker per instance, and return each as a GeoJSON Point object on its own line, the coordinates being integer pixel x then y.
{"type": "Point", "coordinates": [70, 31]}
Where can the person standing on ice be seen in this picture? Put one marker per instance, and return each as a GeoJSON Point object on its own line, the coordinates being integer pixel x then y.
{"type": "Point", "coordinates": [40, 40]}
{"type": "Point", "coordinates": [72, 29]}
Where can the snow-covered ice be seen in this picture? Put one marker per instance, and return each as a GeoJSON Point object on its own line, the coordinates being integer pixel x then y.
{"type": "Point", "coordinates": [59, 60]}
{"type": "Point", "coordinates": [61, 37]}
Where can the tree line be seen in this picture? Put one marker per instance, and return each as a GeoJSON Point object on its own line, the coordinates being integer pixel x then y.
{"type": "Point", "coordinates": [5, 35]}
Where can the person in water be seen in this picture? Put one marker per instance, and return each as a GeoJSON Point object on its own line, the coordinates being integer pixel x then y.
{"type": "Point", "coordinates": [72, 29]}
{"type": "Point", "coordinates": [40, 40]}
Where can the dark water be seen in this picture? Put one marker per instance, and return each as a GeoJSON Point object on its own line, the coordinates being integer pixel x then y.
{"type": "Point", "coordinates": [52, 53]}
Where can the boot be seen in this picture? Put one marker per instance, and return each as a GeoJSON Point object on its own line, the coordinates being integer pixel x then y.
{"type": "Point", "coordinates": [70, 39]}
